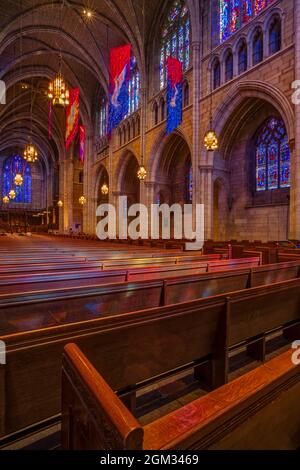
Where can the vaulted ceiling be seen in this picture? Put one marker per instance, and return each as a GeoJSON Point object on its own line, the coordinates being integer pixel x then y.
{"type": "Point", "coordinates": [34, 32]}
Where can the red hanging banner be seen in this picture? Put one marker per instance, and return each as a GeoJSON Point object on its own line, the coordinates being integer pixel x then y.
{"type": "Point", "coordinates": [72, 117]}
{"type": "Point", "coordinates": [119, 77]}
{"type": "Point", "coordinates": [82, 144]}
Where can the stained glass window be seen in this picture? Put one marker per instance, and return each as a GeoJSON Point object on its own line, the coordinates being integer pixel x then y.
{"type": "Point", "coordinates": [229, 67]}
{"type": "Point", "coordinates": [242, 55]}
{"type": "Point", "coordinates": [134, 87]}
{"type": "Point", "coordinates": [272, 157]}
{"type": "Point", "coordinates": [235, 13]}
{"type": "Point", "coordinates": [216, 74]}
{"type": "Point", "coordinates": [258, 48]}
{"type": "Point", "coordinates": [176, 39]}
{"type": "Point", "coordinates": [11, 167]}
{"type": "Point", "coordinates": [275, 36]}
{"type": "Point", "coordinates": [103, 118]}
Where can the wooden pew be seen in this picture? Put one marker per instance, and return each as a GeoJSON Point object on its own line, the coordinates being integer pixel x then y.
{"type": "Point", "coordinates": [234, 416]}
{"type": "Point", "coordinates": [91, 277]}
{"type": "Point", "coordinates": [83, 265]}
{"type": "Point", "coordinates": [133, 348]}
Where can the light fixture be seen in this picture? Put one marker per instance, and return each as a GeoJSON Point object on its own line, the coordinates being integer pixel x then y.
{"type": "Point", "coordinates": [30, 153]}
{"type": "Point", "coordinates": [211, 141]}
{"type": "Point", "coordinates": [88, 13]}
{"type": "Point", "coordinates": [104, 189]}
{"type": "Point", "coordinates": [60, 203]}
{"type": "Point", "coordinates": [12, 194]}
{"type": "Point", "coordinates": [82, 200]}
{"type": "Point", "coordinates": [18, 180]}
{"type": "Point", "coordinates": [142, 173]}
{"type": "Point", "coordinates": [5, 200]}
{"type": "Point", "coordinates": [58, 92]}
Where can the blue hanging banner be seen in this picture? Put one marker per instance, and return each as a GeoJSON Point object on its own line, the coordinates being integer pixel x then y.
{"type": "Point", "coordinates": [174, 94]}
{"type": "Point", "coordinates": [119, 77]}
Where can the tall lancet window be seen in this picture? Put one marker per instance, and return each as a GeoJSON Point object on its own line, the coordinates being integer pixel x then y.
{"type": "Point", "coordinates": [273, 157]}
{"type": "Point", "coordinates": [134, 87]}
{"type": "Point", "coordinates": [12, 166]}
{"type": "Point", "coordinates": [176, 39]}
{"type": "Point", "coordinates": [103, 117]}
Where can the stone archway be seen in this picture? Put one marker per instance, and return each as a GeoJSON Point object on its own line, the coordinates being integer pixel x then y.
{"type": "Point", "coordinates": [171, 172]}
{"type": "Point", "coordinates": [129, 182]}
{"type": "Point", "coordinates": [102, 179]}
{"type": "Point", "coordinates": [246, 213]}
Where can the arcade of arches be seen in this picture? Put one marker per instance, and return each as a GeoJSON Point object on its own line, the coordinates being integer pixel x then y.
{"type": "Point", "coordinates": [232, 77]}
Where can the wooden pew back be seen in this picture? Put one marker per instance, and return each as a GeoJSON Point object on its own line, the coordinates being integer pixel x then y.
{"type": "Point", "coordinates": [234, 416]}
{"type": "Point", "coordinates": [32, 353]}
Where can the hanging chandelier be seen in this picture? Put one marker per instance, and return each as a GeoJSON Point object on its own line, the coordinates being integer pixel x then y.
{"type": "Point", "coordinates": [142, 173]}
{"type": "Point", "coordinates": [30, 153]}
{"type": "Point", "coordinates": [82, 200]}
{"type": "Point", "coordinates": [12, 194]}
{"type": "Point", "coordinates": [5, 200]}
{"type": "Point", "coordinates": [104, 189]}
{"type": "Point", "coordinates": [58, 92]}
{"type": "Point", "coordinates": [60, 203]}
{"type": "Point", "coordinates": [211, 141]}
{"type": "Point", "coordinates": [18, 180]}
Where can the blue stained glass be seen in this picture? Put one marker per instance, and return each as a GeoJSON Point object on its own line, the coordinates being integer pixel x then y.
{"type": "Point", "coordinates": [261, 155]}
{"type": "Point", "coordinates": [285, 159]}
{"type": "Point", "coordinates": [247, 11]}
{"type": "Point", "coordinates": [181, 44]}
{"type": "Point", "coordinates": [261, 179]}
{"type": "Point", "coordinates": [187, 45]}
{"type": "Point", "coordinates": [224, 19]}
{"type": "Point", "coordinates": [234, 13]}
{"type": "Point", "coordinates": [137, 88]}
{"type": "Point", "coordinates": [11, 167]}
{"type": "Point", "coordinates": [273, 177]}
{"type": "Point", "coordinates": [176, 34]}
{"type": "Point", "coordinates": [174, 45]}
{"type": "Point", "coordinates": [273, 154]}
{"type": "Point", "coordinates": [103, 118]}
{"type": "Point", "coordinates": [168, 49]}
{"type": "Point", "coordinates": [272, 157]}
{"type": "Point", "coordinates": [133, 87]}
{"type": "Point", "coordinates": [259, 5]}
{"type": "Point", "coordinates": [162, 71]}
{"type": "Point", "coordinates": [175, 11]}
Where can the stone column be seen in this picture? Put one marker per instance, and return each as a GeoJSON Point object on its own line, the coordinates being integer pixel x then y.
{"type": "Point", "coordinates": [89, 218]}
{"type": "Point", "coordinates": [206, 184]}
{"type": "Point", "coordinates": [65, 194]}
{"type": "Point", "coordinates": [149, 195]}
{"type": "Point", "coordinates": [196, 148]}
{"type": "Point", "coordinates": [295, 149]}
{"type": "Point", "coordinates": [143, 101]}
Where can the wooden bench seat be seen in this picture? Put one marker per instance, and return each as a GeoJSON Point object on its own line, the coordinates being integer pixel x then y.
{"type": "Point", "coordinates": [234, 416]}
